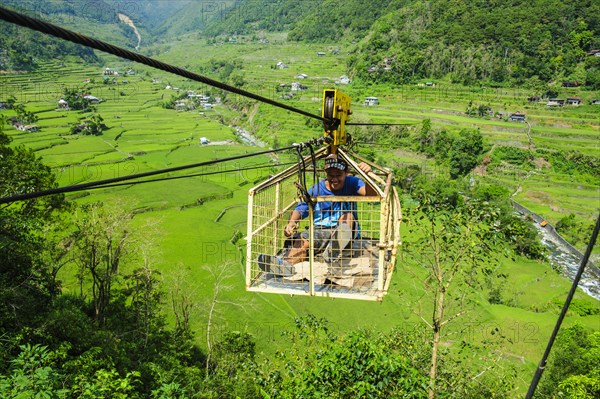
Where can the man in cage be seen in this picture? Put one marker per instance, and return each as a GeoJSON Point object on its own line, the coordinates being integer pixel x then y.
{"type": "Point", "coordinates": [335, 223]}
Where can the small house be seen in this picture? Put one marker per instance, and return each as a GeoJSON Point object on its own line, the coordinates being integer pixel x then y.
{"type": "Point", "coordinates": [204, 140]}
{"type": "Point", "coordinates": [369, 101]}
{"type": "Point", "coordinates": [281, 65]}
{"type": "Point", "coordinates": [343, 80]}
{"type": "Point", "coordinates": [297, 86]}
{"type": "Point", "coordinates": [302, 76]}
{"type": "Point", "coordinates": [320, 54]}
{"type": "Point", "coordinates": [555, 102]}
{"type": "Point", "coordinates": [595, 53]}
{"type": "Point", "coordinates": [372, 69]}
{"type": "Point", "coordinates": [25, 128]}
{"type": "Point", "coordinates": [181, 105]}
{"type": "Point", "coordinates": [533, 99]}
{"type": "Point", "coordinates": [517, 117]}
{"type": "Point", "coordinates": [92, 99]}
{"type": "Point", "coordinates": [573, 101]}
{"type": "Point", "coordinates": [63, 104]}
{"type": "Point", "coordinates": [570, 84]}
{"type": "Point", "coordinates": [4, 105]}
{"type": "Point", "coordinates": [596, 102]}
{"type": "Point", "coordinates": [30, 128]}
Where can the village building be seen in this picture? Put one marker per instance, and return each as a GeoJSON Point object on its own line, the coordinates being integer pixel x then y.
{"type": "Point", "coordinates": [181, 105]}
{"type": "Point", "coordinates": [92, 99]}
{"type": "Point", "coordinates": [110, 72]}
{"type": "Point", "coordinates": [343, 80]}
{"type": "Point", "coordinates": [595, 102]}
{"type": "Point", "coordinates": [370, 101]}
{"type": "Point", "coordinates": [320, 54]}
{"type": "Point", "coordinates": [281, 65]}
{"type": "Point", "coordinates": [63, 104]}
{"type": "Point", "coordinates": [555, 102]}
{"type": "Point", "coordinates": [301, 76]}
{"type": "Point", "coordinates": [573, 101]}
{"type": "Point", "coordinates": [517, 117]}
{"type": "Point", "coordinates": [296, 86]}
{"type": "Point", "coordinates": [570, 84]}
{"type": "Point", "coordinates": [533, 99]}
{"type": "Point", "coordinates": [25, 128]}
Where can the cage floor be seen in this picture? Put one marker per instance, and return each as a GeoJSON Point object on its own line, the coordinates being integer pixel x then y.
{"type": "Point", "coordinates": [356, 276]}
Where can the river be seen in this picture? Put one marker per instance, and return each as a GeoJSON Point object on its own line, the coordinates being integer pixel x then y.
{"type": "Point", "coordinates": [567, 263]}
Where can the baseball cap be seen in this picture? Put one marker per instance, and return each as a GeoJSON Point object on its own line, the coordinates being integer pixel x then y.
{"type": "Point", "coordinates": [333, 161]}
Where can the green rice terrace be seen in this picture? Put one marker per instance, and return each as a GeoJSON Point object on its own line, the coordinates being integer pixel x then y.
{"type": "Point", "coordinates": [196, 224]}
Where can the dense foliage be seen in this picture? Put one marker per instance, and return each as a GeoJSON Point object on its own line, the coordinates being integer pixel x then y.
{"type": "Point", "coordinates": [22, 49]}
{"type": "Point", "coordinates": [569, 374]}
{"type": "Point", "coordinates": [489, 41]}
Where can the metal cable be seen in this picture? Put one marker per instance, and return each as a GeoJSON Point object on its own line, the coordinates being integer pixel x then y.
{"type": "Point", "coordinates": [264, 166]}
{"type": "Point", "coordinates": [106, 182]}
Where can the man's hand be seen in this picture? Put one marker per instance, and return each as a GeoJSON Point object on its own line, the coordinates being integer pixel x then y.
{"type": "Point", "coordinates": [290, 229]}
{"type": "Point", "coordinates": [364, 167]}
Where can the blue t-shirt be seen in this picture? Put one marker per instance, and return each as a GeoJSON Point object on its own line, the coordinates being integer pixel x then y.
{"type": "Point", "coordinates": [327, 214]}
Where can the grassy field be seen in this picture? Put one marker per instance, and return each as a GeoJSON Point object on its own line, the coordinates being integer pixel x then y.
{"type": "Point", "coordinates": [194, 219]}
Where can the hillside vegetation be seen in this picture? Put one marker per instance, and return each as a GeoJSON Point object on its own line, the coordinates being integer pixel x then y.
{"type": "Point", "coordinates": [531, 43]}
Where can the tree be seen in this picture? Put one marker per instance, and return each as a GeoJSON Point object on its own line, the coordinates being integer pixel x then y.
{"type": "Point", "coordinates": [26, 283]}
{"type": "Point", "coordinates": [450, 246]}
{"type": "Point", "coordinates": [92, 126]}
{"type": "Point", "coordinates": [23, 116]}
{"type": "Point", "coordinates": [103, 239]}
{"type": "Point", "coordinates": [220, 274]}
{"type": "Point", "coordinates": [75, 99]}
{"type": "Point", "coordinates": [321, 365]}
{"type": "Point", "coordinates": [465, 152]}
{"type": "Point", "coordinates": [33, 375]}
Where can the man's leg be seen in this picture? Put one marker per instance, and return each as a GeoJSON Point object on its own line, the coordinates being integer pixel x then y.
{"type": "Point", "coordinates": [347, 218]}
{"type": "Point", "coordinates": [341, 237]}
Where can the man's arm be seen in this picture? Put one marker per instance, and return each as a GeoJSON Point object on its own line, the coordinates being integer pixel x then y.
{"type": "Point", "coordinates": [292, 225]}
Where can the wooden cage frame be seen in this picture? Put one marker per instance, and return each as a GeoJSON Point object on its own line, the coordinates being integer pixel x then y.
{"type": "Point", "coordinates": [269, 221]}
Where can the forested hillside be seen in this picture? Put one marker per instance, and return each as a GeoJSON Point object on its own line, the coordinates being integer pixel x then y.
{"type": "Point", "coordinates": [496, 41]}
{"type": "Point", "coordinates": [488, 41]}
{"type": "Point", "coordinates": [24, 49]}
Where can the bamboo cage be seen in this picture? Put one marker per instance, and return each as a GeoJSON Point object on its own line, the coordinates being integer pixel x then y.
{"type": "Point", "coordinates": [365, 267]}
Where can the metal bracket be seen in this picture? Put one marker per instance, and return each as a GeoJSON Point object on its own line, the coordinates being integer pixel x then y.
{"type": "Point", "coordinates": [336, 111]}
